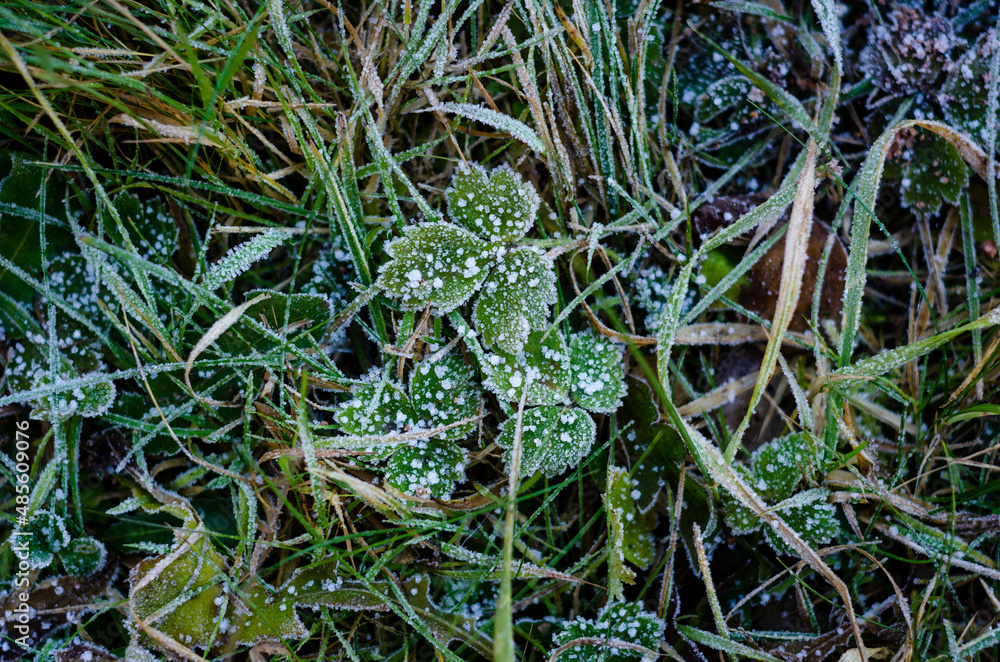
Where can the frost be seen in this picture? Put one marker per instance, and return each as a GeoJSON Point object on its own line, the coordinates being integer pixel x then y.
{"type": "Point", "coordinates": [434, 263]}
{"type": "Point", "coordinates": [598, 381]}
{"type": "Point", "coordinates": [542, 367]}
{"type": "Point", "coordinates": [617, 621]}
{"type": "Point", "coordinates": [444, 264]}
{"type": "Point", "coordinates": [499, 207]}
{"type": "Point", "coordinates": [553, 439]}
{"type": "Point", "coordinates": [241, 257]}
{"type": "Point", "coordinates": [427, 469]}
{"type": "Point", "coordinates": [515, 300]}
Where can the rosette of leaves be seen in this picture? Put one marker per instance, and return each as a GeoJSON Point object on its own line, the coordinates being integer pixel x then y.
{"type": "Point", "coordinates": [616, 622]}
{"type": "Point", "coordinates": [777, 471]}
{"type": "Point", "coordinates": [965, 93]}
{"type": "Point", "coordinates": [908, 52]}
{"type": "Point", "coordinates": [442, 265]}
{"type": "Point", "coordinates": [564, 383]}
{"type": "Point", "coordinates": [441, 394]}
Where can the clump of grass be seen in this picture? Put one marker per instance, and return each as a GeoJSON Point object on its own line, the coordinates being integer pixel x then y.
{"type": "Point", "coordinates": [479, 330]}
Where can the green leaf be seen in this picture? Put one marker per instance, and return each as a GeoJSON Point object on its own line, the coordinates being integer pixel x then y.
{"type": "Point", "coordinates": [176, 592]}
{"type": "Point", "coordinates": [436, 264]}
{"type": "Point", "coordinates": [427, 469]}
{"type": "Point", "coordinates": [29, 369]}
{"type": "Point", "coordinates": [620, 621]}
{"type": "Point", "coordinates": [650, 446]}
{"type": "Point", "coordinates": [500, 207]}
{"type": "Point", "coordinates": [264, 613]}
{"type": "Point", "coordinates": [779, 465]}
{"type": "Point", "coordinates": [515, 300]}
{"type": "Point", "coordinates": [553, 439]}
{"type": "Point", "coordinates": [379, 408]}
{"type": "Point", "coordinates": [935, 174]}
{"type": "Point", "coordinates": [48, 535]}
{"type": "Point", "coordinates": [544, 366]}
{"type": "Point", "coordinates": [598, 382]}
{"type": "Point", "coordinates": [966, 89]}
{"type": "Point", "coordinates": [811, 517]}
{"type": "Point", "coordinates": [630, 532]}
{"type": "Point", "coordinates": [83, 556]}
{"type": "Point", "coordinates": [444, 392]}
{"type": "Point", "coordinates": [740, 519]}
{"type": "Point", "coordinates": [305, 312]}
{"type": "Point", "coordinates": [21, 209]}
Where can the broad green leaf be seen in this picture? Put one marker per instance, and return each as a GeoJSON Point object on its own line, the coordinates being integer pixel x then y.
{"type": "Point", "coordinates": [650, 446]}
{"type": "Point", "coordinates": [21, 210]}
{"type": "Point", "coordinates": [378, 408]}
{"type": "Point", "coordinates": [515, 300]}
{"type": "Point", "coordinates": [48, 536]}
{"type": "Point", "coordinates": [812, 518]}
{"type": "Point", "coordinates": [305, 312]}
{"type": "Point", "coordinates": [151, 227]}
{"type": "Point", "coordinates": [936, 173]}
{"type": "Point", "coordinates": [29, 369]}
{"type": "Point", "coordinates": [426, 469]}
{"type": "Point", "coordinates": [83, 556]}
{"type": "Point", "coordinates": [436, 264]}
{"type": "Point", "coordinates": [780, 465]}
{"type": "Point", "coordinates": [617, 621]}
{"type": "Point", "coordinates": [598, 382]}
{"type": "Point", "coordinates": [444, 392]}
{"type": "Point", "coordinates": [176, 593]}
{"type": "Point", "coordinates": [966, 88]}
{"type": "Point", "coordinates": [741, 520]}
{"type": "Point", "coordinates": [499, 207]}
{"type": "Point", "coordinates": [544, 367]}
{"type": "Point", "coordinates": [631, 530]}
{"type": "Point", "coordinates": [553, 439]}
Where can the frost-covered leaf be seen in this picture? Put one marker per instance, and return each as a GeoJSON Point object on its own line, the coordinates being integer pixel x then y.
{"type": "Point", "coordinates": [21, 207]}
{"type": "Point", "coordinates": [617, 621]}
{"type": "Point", "coordinates": [437, 264]}
{"type": "Point", "coordinates": [83, 556]}
{"type": "Point", "coordinates": [650, 446]}
{"type": "Point", "coordinates": [546, 365]}
{"type": "Point", "coordinates": [426, 469]}
{"type": "Point", "coordinates": [629, 537]}
{"type": "Point", "coordinates": [936, 173]}
{"type": "Point", "coordinates": [741, 520]}
{"type": "Point", "coordinates": [48, 536]}
{"type": "Point", "coordinates": [150, 225]}
{"type": "Point", "coordinates": [515, 300]}
{"type": "Point", "coordinates": [780, 464]}
{"type": "Point", "coordinates": [966, 90]}
{"type": "Point", "coordinates": [378, 408]}
{"type": "Point", "coordinates": [500, 207]}
{"type": "Point", "coordinates": [620, 503]}
{"type": "Point", "coordinates": [242, 257]}
{"type": "Point", "coordinates": [815, 521]}
{"type": "Point", "coordinates": [553, 439]}
{"type": "Point", "coordinates": [261, 613]}
{"type": "Point", "coordinates": [443, 392]}
{"type": "Point", "coordinates": [180, 598]}
{"type": "Point", "coordinates": [908, 52]}
{"type": "Point", "coordinates": [598, 382]}
{"type": "Point", "coordinates": [332, 273]}
{"type": "Point", "coordinates": [56, 603]}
